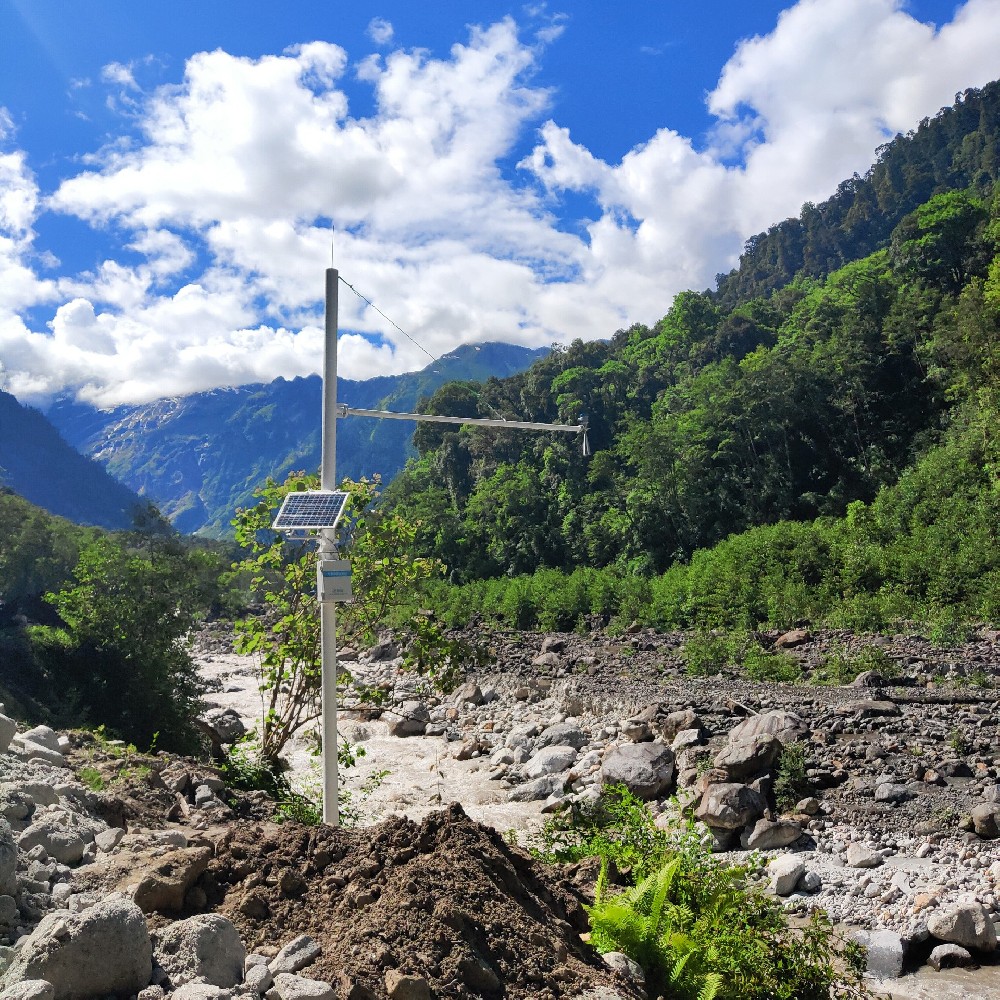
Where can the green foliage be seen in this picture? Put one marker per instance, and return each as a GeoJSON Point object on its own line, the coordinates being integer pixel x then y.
{"type": "Point", "coordinates": [246, 768]}
{"type": "Point", "coordinates": [123, 659]}
{"type": "Point", "coordinates": [37, 552]}
{"type": "Point", "coordinates": [791, 782]}
{"type": "Point", "coordinates": [706, 654]}
{"type": "Point", "coordinates": [387, 582]}
{"type": "Point", "coordinates": [696, 926]}
{"type": "Point", "coordinates": [779, 667]}
{"type": "Point", "coordinates": [841, 666]}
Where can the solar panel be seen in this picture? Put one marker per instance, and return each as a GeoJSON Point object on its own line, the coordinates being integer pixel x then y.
{"type": "Point", "coordinates": [310, 509]}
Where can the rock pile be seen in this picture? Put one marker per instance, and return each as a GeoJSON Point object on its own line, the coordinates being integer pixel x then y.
{"type": "Point", "coordinates": [900, 815]}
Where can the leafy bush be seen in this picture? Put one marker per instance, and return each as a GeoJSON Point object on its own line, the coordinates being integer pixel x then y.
{"type": "Point", "coordinates": [695, 925]}
{"type": "Point", "coordinates": [780, 667]}
{"type": "Point", "coordinates": [791, 782]}
{"type": "Point", "coordinates": [705, 654]}
{"type": "Point", "coordinates": [841, 667]}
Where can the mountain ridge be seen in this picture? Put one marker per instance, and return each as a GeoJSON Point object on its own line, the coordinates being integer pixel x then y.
{"type": "Point", "coordinates": [200, 456]}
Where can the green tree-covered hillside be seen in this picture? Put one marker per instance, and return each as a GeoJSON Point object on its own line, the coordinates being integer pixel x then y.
{"type": "Point", "coordinates": [786, 398]}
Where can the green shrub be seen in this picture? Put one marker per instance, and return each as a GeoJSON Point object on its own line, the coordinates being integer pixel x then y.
{"type": "Point", "coordinates": [780, 667]}
{"type": "Point", "coordinates": [791, 782]}
{"type": "Point", "coordinates": [705, 654]}
{"type": "Point", "coordinates": [695, 925]}
{"type": "Point", "coordinates": [842, 667]}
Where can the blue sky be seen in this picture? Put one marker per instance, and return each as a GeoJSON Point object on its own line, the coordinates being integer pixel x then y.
{"type": "Point", "coordinates": [532, 173]}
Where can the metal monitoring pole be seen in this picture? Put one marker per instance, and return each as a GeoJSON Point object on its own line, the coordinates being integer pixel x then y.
{"type": "Point", "coordinates": [327, 550]}
{"type": "Point", "coordinates": [320, 510]}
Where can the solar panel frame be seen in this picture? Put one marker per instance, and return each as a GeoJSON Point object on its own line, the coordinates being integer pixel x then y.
{"type": "Point", "coordinates": [307, 510]}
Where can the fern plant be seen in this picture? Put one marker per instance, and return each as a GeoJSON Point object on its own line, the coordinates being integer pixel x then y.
{"type": "Point", "coordinates": [696, 928]}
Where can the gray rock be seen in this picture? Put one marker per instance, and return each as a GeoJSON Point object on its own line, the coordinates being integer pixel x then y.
{"type": "Point", "coordinates": [889, 791]}
{"type": "Point", "coordinates": [677, 722]}
{"type": "Point", "coordinates": [628, 968]}
{"type": "Point", "coordinates": [206, 948]}
{"type": "Point", "coordinates": [860, 856]}
{"type": "Point", "coordinates": [729, 806]}
{"type": "Point", "coordinates": [291, 987]}
{"type": "Point", "coordinates": [8, 860]}
{"type": "Point", "coordinates": [786, 726]}
{"type": "Point", "coordinates": [383, 651]}
{"type": "Point", "coordinates": [105, 949]}
{"type": "Point", "coordinates": [686, 739]}
{"type": "Point", "coordinates": [468, 693]}
{"type": "Point", "coordinates": [66, 846]}
{"type": "Point", "coordinates": [550, 760]}
{"type": "Point", "coordinates": [108, 840]}
{"type": "Point", "coordinates": [745, 758]}
{"type": "Point", "coordinates": [8, 727]}
{"type": "Point", "coordinates": [200, 991]}
{"type": "Point", "coordinates": [540, 788]}
{"type": "Point", "coordinates": [226, 724]}
{"type": "Point", "coordinates": [965, 924]}
{"type": "Point", "coordinates": [949, 956]}
{"type": "Point", "coordinates": [9, 914]}
{"type": "Point", "coordinates": [41, 793]}
{"type": "Point", "coordinates": [769, 835]}
{"type": "Point", "coordinates": [785, 872]}
{"type": "Point", "coordinates": [259, 979]}
{"type": "Point", "coordinates": [986, 820]}
{"type": "Point", "coordinates": [296, 955]}
{"type": "Point", "coordinates": [30, 989]}
{"type": "Point", "coordinates": [29, 750]}
{"type": "Point", "coordinates": [44, 737]}
{"type": "Point", "coordinates": [885, 954]}
{"type": "Point", "coordinates": [410, 719]}
{"type": "Point", "coordinates": [646, 769]}
{"type": "Point", "coordinates": [561, 734]}
{"type": "Point", "coordinates": [810, 882]}
{"type": "Point", "coordinates": [547, 659]}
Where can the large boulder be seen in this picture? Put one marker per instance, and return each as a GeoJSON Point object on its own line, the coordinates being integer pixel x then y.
{"type": "Point", "coordinates": [162, 880]}
{"type": "Point", "coordinates": [646, 769]}
{"type": "Point", "coordinates": [743, 759]}
{"type": "Point", "coordinates": [786, 726]}
{"type": "Point", "coordinates": [58, 841]}
{"type": "Point", "coordinates": [540, 788]}
{"type": "Point", "coordinates": [730, 806]}
{"type": "Point", "coordinates": [986, 820]}
{"type": "Point", "coordinates": [203, 949]}
{"type": "Point", "coordinates": [226, 724]}
{"type": "Point", "coordinates": [8, 727]}
{"type": "Point", "coordinates": [103, 949]}
{"type": "Point", "coordinates": [550, 760]}
{"type": "Point", "coordinates": [43, 736]}
{"type": "Point", "coordinates": [966, 924]}
{"type": "Point", "coordinates": [296, 955]}
{"type": "Point", "coordinates": [563, 734]}
{"type": "Point", "coordinates": [408, 719]}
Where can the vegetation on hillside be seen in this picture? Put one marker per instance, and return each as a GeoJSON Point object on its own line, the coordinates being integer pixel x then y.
{"type": "Point", "coordinates": [823, 447]}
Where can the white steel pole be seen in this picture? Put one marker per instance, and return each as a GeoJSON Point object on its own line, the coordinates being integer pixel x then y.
{"type": "Point", "coordinates": [327, 550]}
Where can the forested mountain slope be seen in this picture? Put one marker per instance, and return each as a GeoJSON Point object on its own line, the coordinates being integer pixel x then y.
{"type": "Point", "coordinates": [789, 393]}
{"type": "Point", "coordinates": [38, 464]}
{"type": "Point", "coordinates": [198, 457]}
{"type": "Point", "coordinates": [957, 149]}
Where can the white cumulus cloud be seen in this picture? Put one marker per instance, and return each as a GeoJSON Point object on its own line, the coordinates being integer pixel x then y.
{"type": "Point", "coordinates": [225, 196]}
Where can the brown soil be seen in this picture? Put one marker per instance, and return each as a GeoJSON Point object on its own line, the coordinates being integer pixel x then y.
{"type": "Point", "coordinates": [448, 900]}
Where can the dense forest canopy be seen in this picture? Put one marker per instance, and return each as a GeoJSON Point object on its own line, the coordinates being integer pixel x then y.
{"type": "Point", "coordinates": [807, 382]}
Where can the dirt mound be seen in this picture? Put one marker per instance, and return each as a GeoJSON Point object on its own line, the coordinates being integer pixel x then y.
{"type": "Point", "coordinates": [448, 900]}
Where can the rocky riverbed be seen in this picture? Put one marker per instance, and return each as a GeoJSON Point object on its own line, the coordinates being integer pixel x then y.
{"type": "Point", "coordinates": [878, 801]}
